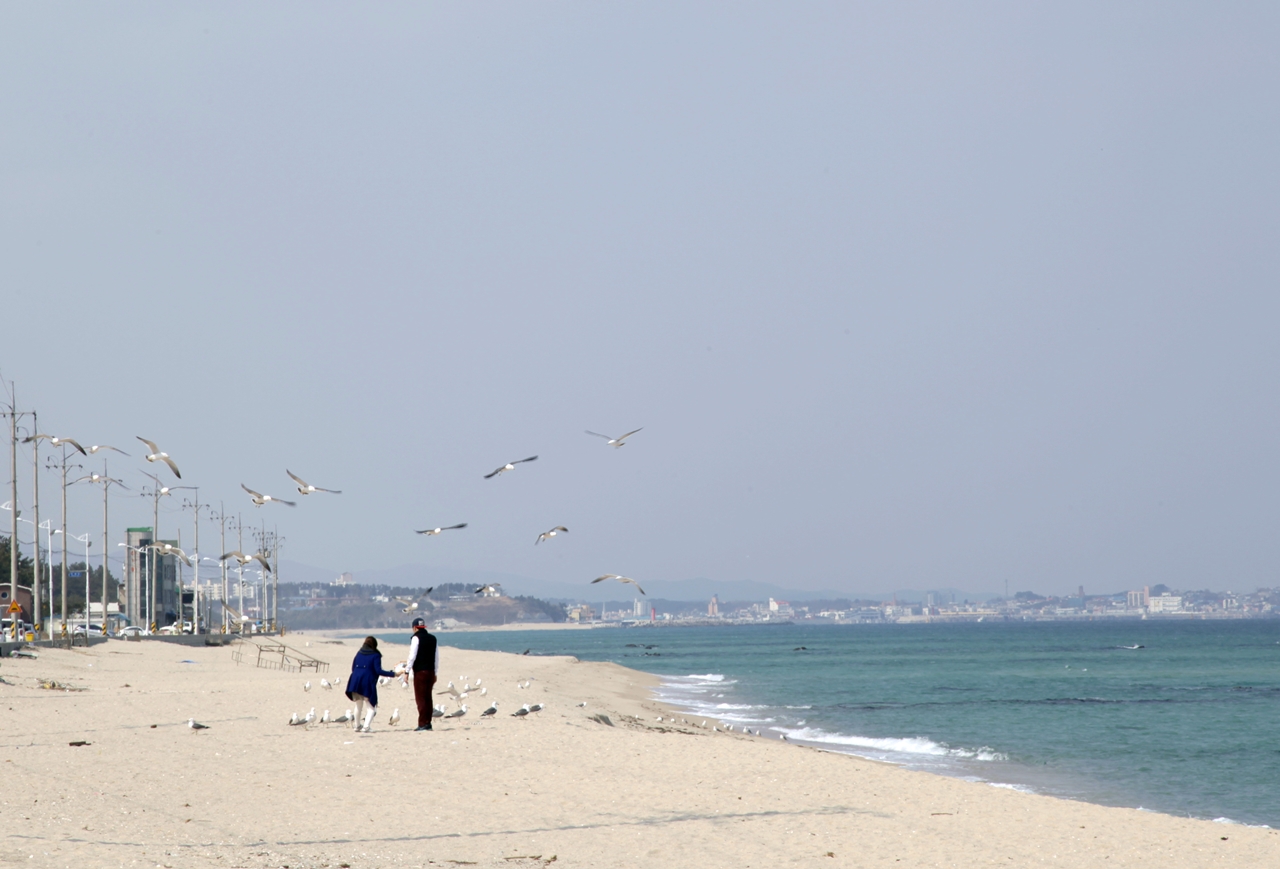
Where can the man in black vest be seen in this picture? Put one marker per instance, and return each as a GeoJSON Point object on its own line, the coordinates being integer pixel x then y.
{"type": "Point", "coordinates": [424, 659]}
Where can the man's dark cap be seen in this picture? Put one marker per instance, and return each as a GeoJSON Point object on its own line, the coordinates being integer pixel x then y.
{"type": "Point", "coordinates": [419, 622]}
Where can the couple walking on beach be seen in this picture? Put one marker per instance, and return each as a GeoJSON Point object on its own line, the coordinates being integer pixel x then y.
{"type": "Point", "coordinates": [424, 661]}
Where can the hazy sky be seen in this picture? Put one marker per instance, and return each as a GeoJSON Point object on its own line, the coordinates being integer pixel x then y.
{"type": "Point", "coordinates": [903, 294]}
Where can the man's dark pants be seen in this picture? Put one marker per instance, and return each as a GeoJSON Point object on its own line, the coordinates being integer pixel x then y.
{"type": "Point", "coordinates": [423, 682]}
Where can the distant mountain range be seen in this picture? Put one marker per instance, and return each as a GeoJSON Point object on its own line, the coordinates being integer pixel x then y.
{"type": "Point", "coordinates": [698, 589]}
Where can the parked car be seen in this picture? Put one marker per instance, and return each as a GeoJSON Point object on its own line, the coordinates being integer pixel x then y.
{"type": "Point", "coordinates": [132, 631]}
{"type": "Point", "coordinates": [94, 630]}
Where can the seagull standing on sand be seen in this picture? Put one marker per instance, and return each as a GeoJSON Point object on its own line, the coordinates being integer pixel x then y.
{"type": "Point", "coordinates": [510, 466]}
{"type": "Point", "coordinates": [326, 684]}
{"type": "Point", "coordinates": [432, 532]}
{"type": "Point", "coordinates": [305, 488]}
{"type": "Point", "coordinates": [259, 499]}
{"type": "Point", "coordinates": [618, 441]}
{"type": "Point", "coordinates": [395, 717]}
{"type": "Point", "coordinates": [307, 687]}
{"type": "Point", "coordinates": [547, 535]}
{"type": "Point", "coordinates": [537, 707]}
{"type": "Point", "coordinates": [519, 713]}
{"type": "Point", "coordinates": [294, 720]}
{"type": "Point", "coordinates": [196, 725]}
{"type": "Point", "coordinates": [619, 579]}
{"type": "Point", "coordinates": [461, 711]}
{"type": "Point", "coordinates": [491, 711]}
{"type": "Point", "coordinates": [156, 456]}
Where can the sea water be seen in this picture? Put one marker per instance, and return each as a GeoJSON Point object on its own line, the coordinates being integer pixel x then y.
{"type": "Point", "coordinates": [1188, 724]}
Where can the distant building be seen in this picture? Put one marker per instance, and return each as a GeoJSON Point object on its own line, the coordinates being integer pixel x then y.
{"type": "Point", "coordinates": [638, 609]}
{"type": "Point", "coordinates": [713, 608]}
{"type": "Point", "coordinates": [344, 579]}
{"type": "Point", "coordinates": [1165, 603]}
{"type": "Point", "coordinates": [582, 613]}
{"type": "Point", "coordinates": [1136, 600]}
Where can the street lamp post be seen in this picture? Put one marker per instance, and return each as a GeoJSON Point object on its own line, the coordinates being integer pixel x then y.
{"type": "Point", "coordinates": [106, 486]}
{"type": "Point", "coordinates": [88, 576]}
{"type": "Point", "coordinates": [63, 466]}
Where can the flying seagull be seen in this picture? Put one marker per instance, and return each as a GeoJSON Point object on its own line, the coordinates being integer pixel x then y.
{"type": "Point", "coordinates": [245, 559]}
{"type": "Point", "coordinates": [170, 549]}
{"type": "Point", "coordinates": [196, 725]}
{"type": "Point", "coordinates": [619, 579]}
{"type": "Point", "coordinates": [489, 589]}
{"type": "Point", "coordinates": [156, 456]}
{"type": "Point", "coordinates": [93, 449]}
{"type": "Point", "coordinates": [432, 532]}
{"type": "Point", "coordinates": [618, 441]}
{"type": "Point", "coordinates": [409, 605]}
{"type": "Point", "coordinates": [547, 535]}
{"type": "Point", "coordinates": [164, 490]}
{"type": "Point", "coordinates": [259, 499]}
{"type": "Point", "coordinates": [57, 442]}
{"type": "Point", "coordinates": [305, 488]}
{"type": "Point", "coordinates": [510, 466]}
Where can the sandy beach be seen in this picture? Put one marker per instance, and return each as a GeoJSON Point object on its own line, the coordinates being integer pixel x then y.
{"type": "Point", "coordinates": [560, 787]}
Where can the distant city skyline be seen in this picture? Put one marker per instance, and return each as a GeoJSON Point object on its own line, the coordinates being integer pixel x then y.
{"type": "Point", "coordinates": [897, 297]}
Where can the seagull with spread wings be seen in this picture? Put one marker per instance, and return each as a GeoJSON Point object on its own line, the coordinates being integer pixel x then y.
{"type": "Point", "coordinates": [618, 441]}
{"type": "Point", "coordinates": [432, 532]}
{"type": "Point", "coordinates": [93, 449]}
{"type": "Point", "coordinates": [245, 559]}
{"type": "Point", "coordinates": [305, 488]}
{"type": "Point", "coordinates": [57, 442]}
{"type": "Point", "coordinates": [156, 456]}
{"type": "Point", "coordinates": [170, 549]}
{"type": "Point", "coordinates": [495, 588]}
{"type": "Point", "coordinates": [547, 535]}
{"type": "Point", "coordinates": [259, 499]}
{"type": "Point", "coordinates": [619, 579]}
{"type": "Point", "coordinates": [510, 466]}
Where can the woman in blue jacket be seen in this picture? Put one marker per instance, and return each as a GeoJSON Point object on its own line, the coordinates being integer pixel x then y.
{"type": "Point", "coordinates": [362, 687]}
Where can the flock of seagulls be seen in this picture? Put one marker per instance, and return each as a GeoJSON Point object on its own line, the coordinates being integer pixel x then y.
{"type": "Point", "coordinates": [452, 690]}
{"type": "Point", "coordinates": [614, 442]}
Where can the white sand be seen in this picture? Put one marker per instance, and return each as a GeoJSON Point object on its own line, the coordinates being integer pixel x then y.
{"type": "Point", "coordinates": [252, 791]}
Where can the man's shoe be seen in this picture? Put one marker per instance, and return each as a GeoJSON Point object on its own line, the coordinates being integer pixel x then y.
{"type": "Point", "coordinates": [416, 729]}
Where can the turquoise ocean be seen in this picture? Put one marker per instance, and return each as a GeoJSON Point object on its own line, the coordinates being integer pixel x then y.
{"type": "Point", "coordinates": [1188, 724]}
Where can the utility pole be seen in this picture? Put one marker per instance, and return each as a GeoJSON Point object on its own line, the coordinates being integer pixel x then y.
{"type": "Point", "coordinates": [62, 466]}
{"type": "Point", "coordinates": [13, 514]}
{"type": "Point", "coordinates": [36, 617]}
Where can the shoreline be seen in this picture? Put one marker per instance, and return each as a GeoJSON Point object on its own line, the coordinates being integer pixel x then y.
{"type": "Point", "coordinates": [494, 792]}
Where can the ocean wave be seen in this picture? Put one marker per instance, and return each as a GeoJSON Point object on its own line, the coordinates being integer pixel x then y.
{"type": "Point", "coordinates": [1022, 789]}
{"type": "Point", "coordinates": [704, 677]}
{"type": "Point", "coordinates": [910, 745]}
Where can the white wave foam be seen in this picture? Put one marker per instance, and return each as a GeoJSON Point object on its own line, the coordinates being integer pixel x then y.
{"type": "Point", "coordinates": [915, 745]}
{"type": "Point", "coordinates": [1022, 789]}
{"type": "Point", "coordinates": [705, 677]}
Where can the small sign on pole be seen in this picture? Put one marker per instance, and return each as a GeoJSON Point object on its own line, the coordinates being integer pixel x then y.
{"type": "Point", "coordinates": [15, 607]}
